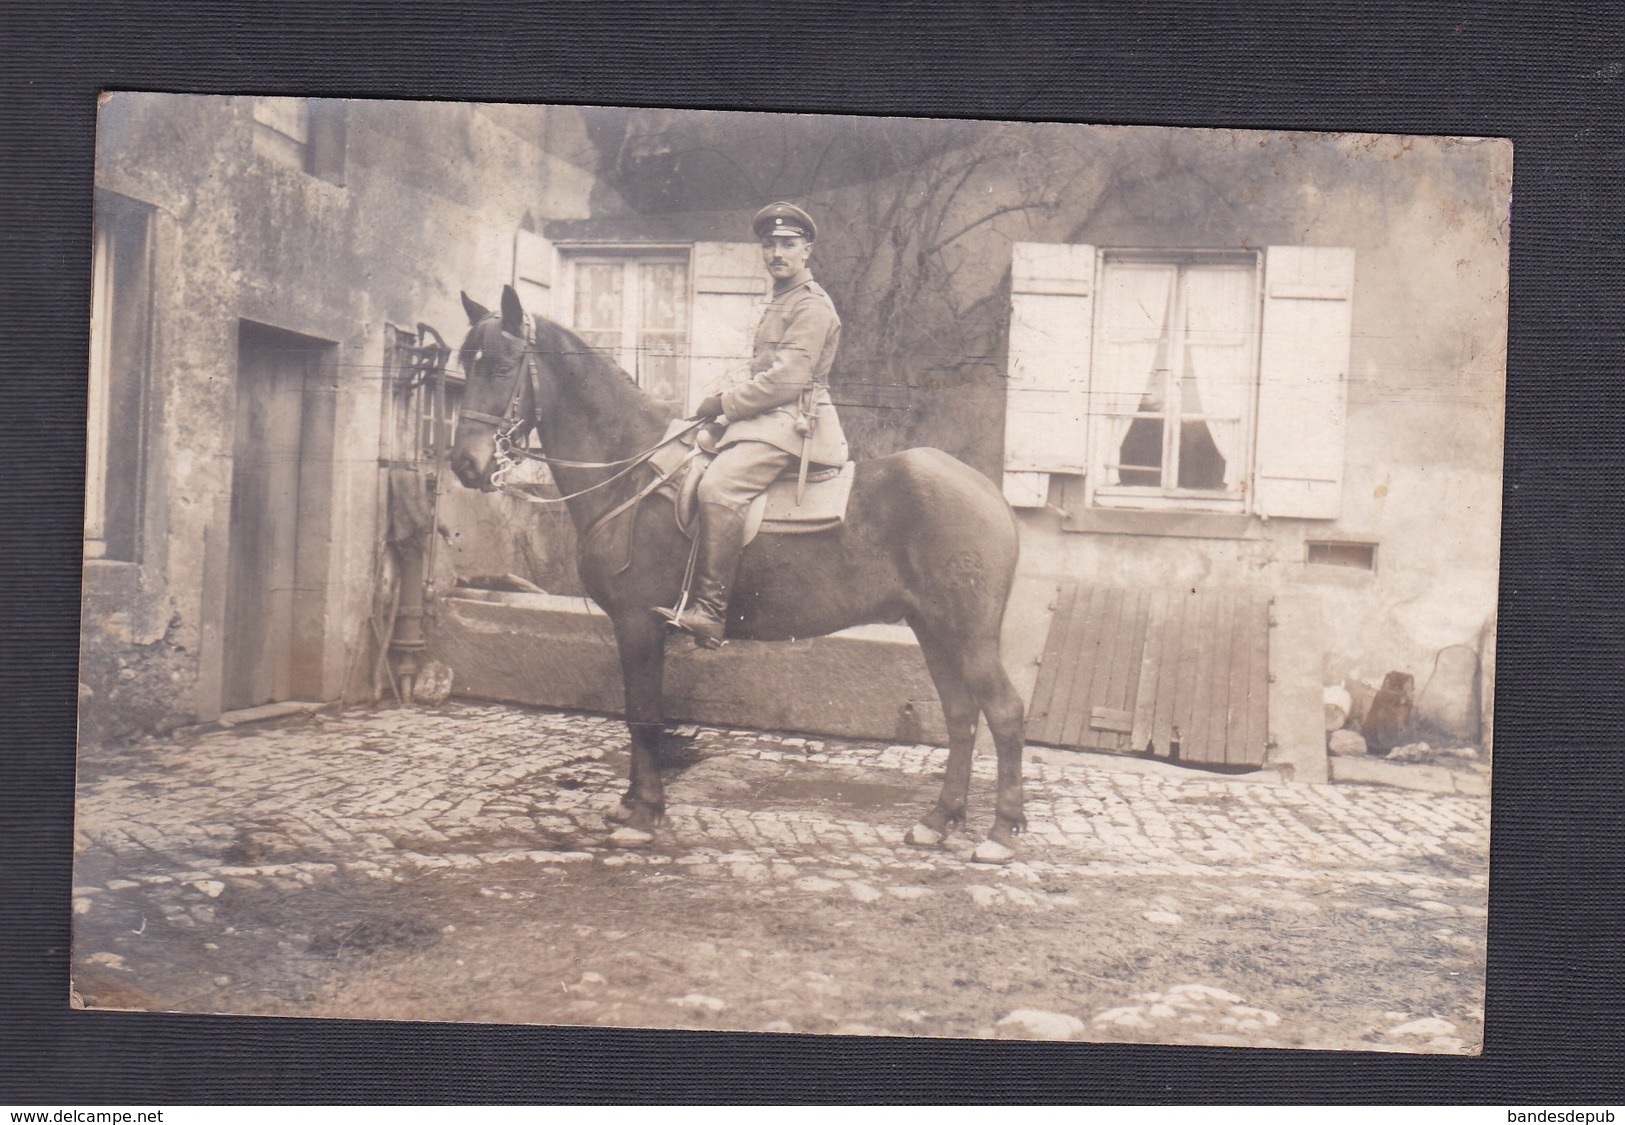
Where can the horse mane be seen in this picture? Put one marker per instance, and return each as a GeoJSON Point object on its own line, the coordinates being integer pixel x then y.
{"type": "Point", "coordinates": [600, 386]}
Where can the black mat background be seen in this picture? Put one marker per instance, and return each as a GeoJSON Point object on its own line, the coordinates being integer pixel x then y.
{"type": "Point", "coordinates": [1550, 76]}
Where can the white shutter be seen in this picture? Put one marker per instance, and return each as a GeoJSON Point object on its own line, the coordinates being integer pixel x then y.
{"type": "Point", "coordinates": [533, 268]}
{"type": "Point", "coordinates": [1303, 380]}
{"type": "Point", "coordinates": [1026, 490]}
{"type": "Point", "coordinates": [729, 279]}
{"type": "Point", "coordinates": [1046, 397]}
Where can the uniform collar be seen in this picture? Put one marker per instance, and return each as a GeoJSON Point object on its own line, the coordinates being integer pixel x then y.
{"type": "Point", "coordinates": [800, 279]}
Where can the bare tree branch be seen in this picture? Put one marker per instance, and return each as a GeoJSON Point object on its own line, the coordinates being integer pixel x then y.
{"type": "Point", "coordinates": [1007, 209]}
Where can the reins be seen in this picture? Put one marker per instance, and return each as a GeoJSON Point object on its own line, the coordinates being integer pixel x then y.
{"type": "Point", "coordinates": [509, 455]}
{"type": "Point", "coordinates": [507, 462]}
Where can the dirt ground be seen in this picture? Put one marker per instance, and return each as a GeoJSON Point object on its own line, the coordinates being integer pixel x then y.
{"type": "Point", "coordinates": [706, 932]}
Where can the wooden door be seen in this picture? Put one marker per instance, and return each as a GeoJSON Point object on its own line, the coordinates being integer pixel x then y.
{"type": "Point", "coordinates": [1180, 674]}
{"type": "Point", "coordinates": [274, 369]}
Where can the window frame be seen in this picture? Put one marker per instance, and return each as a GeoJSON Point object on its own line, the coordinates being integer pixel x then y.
{"type": "Point", "coordinates": [314, 141]}
{"type": "Point", "coordinates": [278, 113]}
{"type": "Point", "coordinates": [1099, 496]}
{"type": "Point", "coordinates": [571, 255]}
{"type": "Point", "coordinates": [119, 377]}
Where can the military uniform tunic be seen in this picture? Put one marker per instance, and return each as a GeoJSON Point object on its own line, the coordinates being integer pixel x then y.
{"type": "Point", "coordinates": [794, 349]}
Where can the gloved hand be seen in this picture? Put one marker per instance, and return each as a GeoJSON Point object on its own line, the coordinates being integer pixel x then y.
{"type": "Point", "coordinates": [710, 408]}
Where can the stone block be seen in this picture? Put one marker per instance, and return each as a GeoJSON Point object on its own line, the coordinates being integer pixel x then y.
{"type": "Point", "coordinates": [1375, 771]}
{"type": "Point", "coordinates": [1297, 714]}
{"type": "Point", "coordinates": [1448, 702]}
{"type": "Point", "coordinates": [1346, 744]}
{"type": "Point", "coordinates": [869, 682]}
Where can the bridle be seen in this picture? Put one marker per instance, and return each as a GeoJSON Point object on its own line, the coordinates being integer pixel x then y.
{"type": "Point", "coordinates": [513, 425]}
{"type": "Point", "coordinates": [508, 438]}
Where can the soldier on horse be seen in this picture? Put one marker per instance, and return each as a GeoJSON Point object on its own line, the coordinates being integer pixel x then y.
{"type": "Point", "coordinates": [782, 418]}
{"type": "Point", "coordinates": [924, 538]}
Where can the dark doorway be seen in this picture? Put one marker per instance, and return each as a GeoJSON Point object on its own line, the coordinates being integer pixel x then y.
{"type": "Point", "coordinates": [280, 515]}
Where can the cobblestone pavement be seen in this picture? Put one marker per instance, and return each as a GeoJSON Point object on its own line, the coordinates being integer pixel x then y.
{"type": "Point", "coordinates": [189, 840]}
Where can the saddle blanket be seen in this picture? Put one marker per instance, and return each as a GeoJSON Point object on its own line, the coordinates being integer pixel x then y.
{"type": "Point", "coordinates": [775, 511]}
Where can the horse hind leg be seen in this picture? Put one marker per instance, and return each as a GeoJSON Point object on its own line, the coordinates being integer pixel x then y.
{"type": "Point", "coordinates": [998, 700]}
{"type": "Point", "coordinates": [959, 710]}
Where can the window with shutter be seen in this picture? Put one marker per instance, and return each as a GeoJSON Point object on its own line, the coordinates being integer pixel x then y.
{"type": "Point", "coordinates": [1171, 384]}
{"type": "Point", "coordinates": [634, 307]}
{"type": "Point", "coordinates": [1193, 381]}
{"type": "Point", "coordinates": [1051, 323]}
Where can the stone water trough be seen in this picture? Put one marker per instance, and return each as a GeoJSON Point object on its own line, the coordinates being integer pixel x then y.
{"type": "Point", "coordinates": [868, 682]}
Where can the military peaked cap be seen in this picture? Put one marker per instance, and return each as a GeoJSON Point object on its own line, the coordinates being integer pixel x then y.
{"type": "Point", "coordinates": [784, 218]}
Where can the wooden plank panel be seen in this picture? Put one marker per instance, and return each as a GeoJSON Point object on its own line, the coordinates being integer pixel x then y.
{"type": "Point", "coordinates": [1125, 667]}
{"type": "Point", "coordinates": [1241, 673]}
{"type": "Point", "coordinates": [1115, 654]}
{"type": "Point", "coordinates": [1206, 673]}
{"type": "Point", "coordinates": [1145, 686]}
{"type": "Point", "coordinates": [1162, 729]}
{"type": "Point", "coordinates": [1189, 662]}
{"type": "Point", "coordinates": [1168, 691]}
{"type": "Point", "coordinates": [1253, 695]}
{"type": "Point", "coordinates": [1068, 629]}
{"type": "Point", "coordinates": [1258, 702]}
{"type": "Point", "coordinates": [1230, 615]}
{"type": "Point", "coordinates": [1218, 678]}
{"type": "Point", "coordinates": [263, 527]}
{"type": "Point", "coordinates": [1104, 605]}
{"type": "Point", "coordinates": [1258, 706]}
{"type": "Point", "coordinates": [1110, 719]}
{"type": "Point", "coordinates": [1193, 731]}
{"type": "Point", "coordinates": [1073, 631]}
{"type": "Point", "coordinates": [1041, 707]}
{"type": "Point", "coordinates": [1190, 731]}
{"type": "Point", "coordinates": [1111, 636]}
{"type": "Point", "coordinates": [1211, 657]}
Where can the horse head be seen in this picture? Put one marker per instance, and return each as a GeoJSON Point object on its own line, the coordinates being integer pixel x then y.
{"type": "Point", "coordinates": [525, 372]}
{"type": "Point", "coordinates": [496, 356]}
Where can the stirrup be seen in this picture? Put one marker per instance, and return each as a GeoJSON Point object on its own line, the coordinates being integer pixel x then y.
{"type": "Point", "coordinates": [702, 637]}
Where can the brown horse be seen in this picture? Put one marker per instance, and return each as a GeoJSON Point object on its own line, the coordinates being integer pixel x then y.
{"type": "Point", "coordinates": [926, 539]}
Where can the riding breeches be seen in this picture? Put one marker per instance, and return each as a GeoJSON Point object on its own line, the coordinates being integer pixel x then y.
{"type": "Point", "coordinates": [741, 471]}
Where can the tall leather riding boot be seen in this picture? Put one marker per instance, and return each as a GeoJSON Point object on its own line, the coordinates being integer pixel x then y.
{"type": "Point", "coordinates": [722, 538]}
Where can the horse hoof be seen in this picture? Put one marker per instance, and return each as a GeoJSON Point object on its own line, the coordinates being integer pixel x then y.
{"type": "Point", "coordinates": [630, 838]}
{"type": "Point", "coordinates": [922, 837]}
{"type": "Point", "coordinates": [637, 816]}
{"type": "Point", "coordinates": [991, 851]}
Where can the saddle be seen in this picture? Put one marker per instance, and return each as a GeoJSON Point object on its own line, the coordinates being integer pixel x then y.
{"type": "Point", "coordinates": [774, 512]}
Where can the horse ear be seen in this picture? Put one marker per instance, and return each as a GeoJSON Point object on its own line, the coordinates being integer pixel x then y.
{"type": "Point", "coordinates": [476, 311]}
{"type": "Point", "coordinates": [513, 314]}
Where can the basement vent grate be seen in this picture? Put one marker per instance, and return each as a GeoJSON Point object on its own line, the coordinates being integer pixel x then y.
{"type": "Point", "coordinates": [1325, 552]}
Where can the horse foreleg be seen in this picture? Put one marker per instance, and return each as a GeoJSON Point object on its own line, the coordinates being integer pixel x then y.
{"type": "Point", "coordinates": [959, 710]}
{"type": "Point", "coordinates": [985, 675]}
{"type": "Point", "coordinates": [643, 806]}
